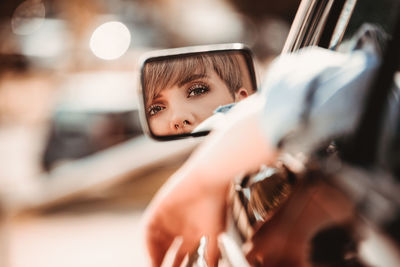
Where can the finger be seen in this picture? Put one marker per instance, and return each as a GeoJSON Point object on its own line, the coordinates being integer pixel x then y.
{"type": "Point", "coordinates": [185, 261]}
{"type": "Point", "coordinates": [158, 242]}
{"type": "Point", "coordinates": [185, 254]}
{"type": "Point", "coordinates": [171, 253]}
{"type": "Point", "coordinates": [212, 251]}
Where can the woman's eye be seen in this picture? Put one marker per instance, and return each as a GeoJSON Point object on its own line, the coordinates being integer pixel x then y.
{"type": "Point", "coordinates": [198, 89]}
{"type": "Point", "coordinates": [154, 109]}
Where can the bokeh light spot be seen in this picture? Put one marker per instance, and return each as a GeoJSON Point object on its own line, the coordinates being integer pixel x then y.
{"type": "Point", "coordinates": [110, 40]}
{"type": "Point", "coordinates": [28, 17]}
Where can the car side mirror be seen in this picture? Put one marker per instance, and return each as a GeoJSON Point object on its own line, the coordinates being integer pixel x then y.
{"type": "Point", "coordinates": [183, 90]}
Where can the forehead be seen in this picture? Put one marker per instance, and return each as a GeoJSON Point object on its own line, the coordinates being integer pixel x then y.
{"type": "Point", "coordinates": [177, 71]}
{"type": "Point", "coordinates": [159, 75]}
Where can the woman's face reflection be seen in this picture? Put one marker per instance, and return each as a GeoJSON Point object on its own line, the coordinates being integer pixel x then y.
{"type": "Point", "coordinates": [181, 107]}
{"type": "Point", "coordinates": [180, 93]}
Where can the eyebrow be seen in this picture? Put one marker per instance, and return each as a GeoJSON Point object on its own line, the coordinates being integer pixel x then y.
{"type": "Point", "coordinates": [184, 81]}
{"type": "Point", "coordinates": [190, 78]}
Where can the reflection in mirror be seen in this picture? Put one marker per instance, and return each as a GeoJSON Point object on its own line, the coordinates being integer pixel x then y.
{"type": "Point", "coordinates": [184, 94]}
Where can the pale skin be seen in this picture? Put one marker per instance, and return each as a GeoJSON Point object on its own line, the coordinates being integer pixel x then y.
{"type": "Point", "coordinates": [180, 108]}
{"type": "Point", "coordinates": [192, 203]}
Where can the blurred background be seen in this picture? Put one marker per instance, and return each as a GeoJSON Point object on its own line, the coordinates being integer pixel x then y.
{"type": "Point", "coordinates": [76, 171]}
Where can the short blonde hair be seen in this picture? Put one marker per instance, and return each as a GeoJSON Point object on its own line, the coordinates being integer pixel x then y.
{"type": "Point", "coordinates": [165, 73]}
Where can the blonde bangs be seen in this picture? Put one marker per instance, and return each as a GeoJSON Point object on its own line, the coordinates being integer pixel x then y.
{"type": "Point", "coordinates": [166, 73]}
{"type": "Point", "coordinates": [159, 75]}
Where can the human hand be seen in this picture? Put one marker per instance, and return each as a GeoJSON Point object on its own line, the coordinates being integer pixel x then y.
{"type": "Point", "coordinates": [192, 203]}
{"type": "Point", "coordinates": [188, 210]}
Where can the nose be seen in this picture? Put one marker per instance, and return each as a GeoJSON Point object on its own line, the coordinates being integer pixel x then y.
{"type": "Point", "coordinates": [181, 122]}
{"type": "Point", "coordinates": [181, 125]}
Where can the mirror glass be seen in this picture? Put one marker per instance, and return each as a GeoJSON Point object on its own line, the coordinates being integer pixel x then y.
{"type": "Point", "coordinates": [185, 94]}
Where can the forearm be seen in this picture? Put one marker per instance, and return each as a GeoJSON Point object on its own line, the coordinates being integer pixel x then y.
{"type": "Point", "coordinates": [236, 147]}
{"type": "Point", "coordinates": [239, 146]}
{"type": "Point", "coordinates": [192, 202]}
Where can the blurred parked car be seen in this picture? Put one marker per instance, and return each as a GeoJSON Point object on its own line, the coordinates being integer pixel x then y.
{"type": "Point", "coordinates": [94, 111]}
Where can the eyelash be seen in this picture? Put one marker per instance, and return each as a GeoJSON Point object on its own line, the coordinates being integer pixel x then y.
{"type": "Point", "coordinates": [197, 90]}
{"type": "Point", "coordinates": [154, 109]}
{"type": "Point", "coordinates": [193, 91]}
